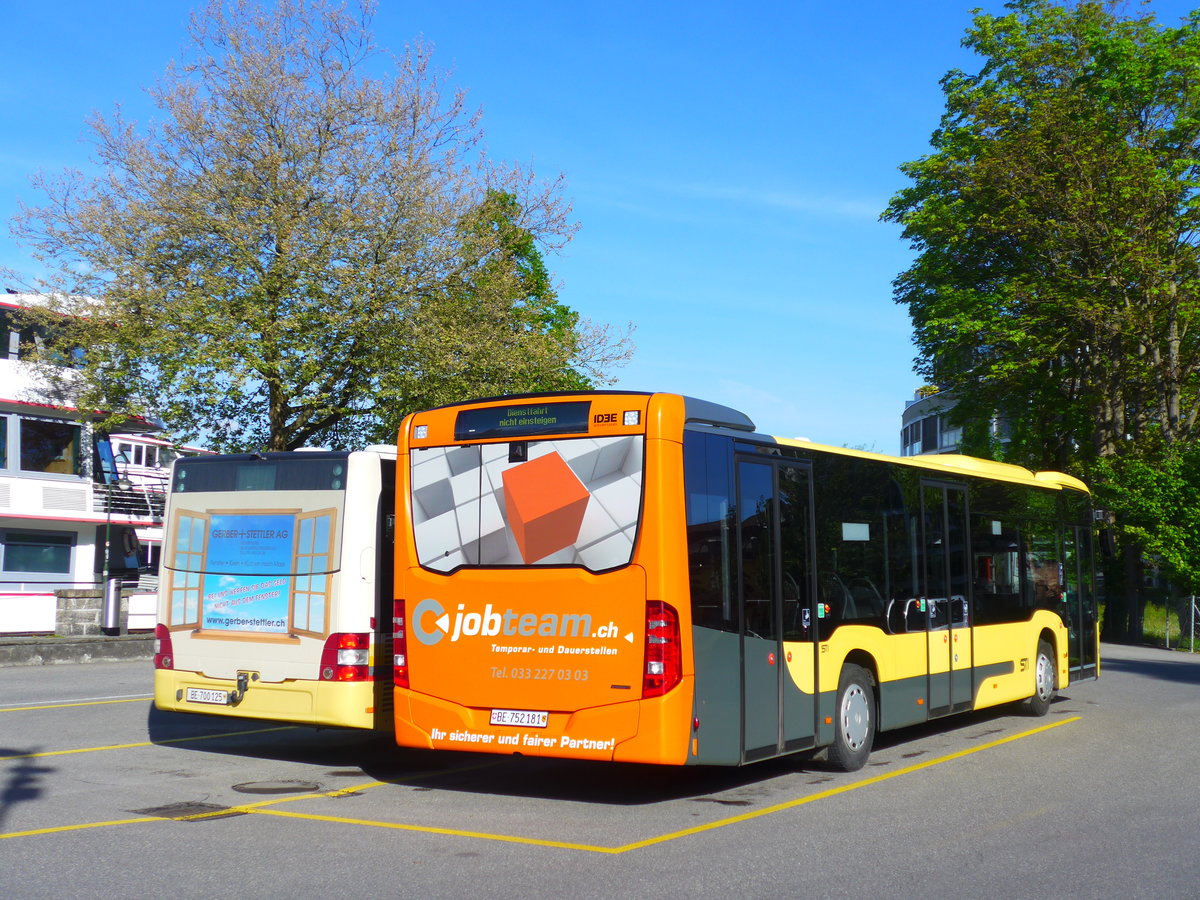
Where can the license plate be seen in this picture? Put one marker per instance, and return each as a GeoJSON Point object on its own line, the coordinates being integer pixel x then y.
{"type": "Point", "coordinates": [206, 695]}
{"type": "Point", "coordinates": [525, 717]}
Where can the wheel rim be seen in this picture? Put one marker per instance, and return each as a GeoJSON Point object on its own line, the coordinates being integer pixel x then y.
{"type": "Point", "coordinates": [1045, 677]}
{"type": "Point", "coordinates": [856, 717]}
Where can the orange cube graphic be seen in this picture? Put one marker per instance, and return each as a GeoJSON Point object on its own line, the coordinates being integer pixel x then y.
{"type": "Point", "coordinates": [544, 502]}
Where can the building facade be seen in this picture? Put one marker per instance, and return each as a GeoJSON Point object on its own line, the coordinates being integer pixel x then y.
{"type": "Point", "coordinates": [75, 513]}
{"type": "Point", "coordinates": [926, 426]}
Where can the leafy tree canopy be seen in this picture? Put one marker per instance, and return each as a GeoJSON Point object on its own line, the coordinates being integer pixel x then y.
{"type": "Point", "coordinates": [1056, 273]}
{"type": "Point", "coordinates": [1158, 495]}
{"type": "Point", "coordinates": [1056, 282]}
{"type": "Point", "coordinates": [299, 252]}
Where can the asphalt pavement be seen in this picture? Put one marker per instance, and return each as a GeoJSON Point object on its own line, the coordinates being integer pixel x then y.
{"type": "Point", "coordinates": [103, 796]}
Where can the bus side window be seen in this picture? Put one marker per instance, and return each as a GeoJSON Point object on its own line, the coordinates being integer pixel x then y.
{"type": "Point", "coordinates": [905, 615]}
{"type": "Point", "coordinates": [708, 488]}
{"type": "Point", "coordinates": [904, 612]}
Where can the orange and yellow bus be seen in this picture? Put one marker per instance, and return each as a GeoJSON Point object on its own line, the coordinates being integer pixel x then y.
{"type": "Point", "coordinates": [276, 588]}
{"type": "Point", "coordinates": [643, 578]}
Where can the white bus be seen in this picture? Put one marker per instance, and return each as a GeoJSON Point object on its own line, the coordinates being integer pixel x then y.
{"type": "Point", "coordinates": [275, 600]}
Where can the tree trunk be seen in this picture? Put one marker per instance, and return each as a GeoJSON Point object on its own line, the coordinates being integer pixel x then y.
{"type": "Point", "coordinates": [1132, 557]}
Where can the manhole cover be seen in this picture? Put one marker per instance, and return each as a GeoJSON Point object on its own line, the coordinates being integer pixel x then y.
{"type": "Point", "coordinates": [189, 812]}
{"type": "Point", "coordinates": [277, 787]}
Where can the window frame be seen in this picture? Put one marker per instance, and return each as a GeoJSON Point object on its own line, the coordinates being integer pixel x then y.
{"type": "Point", "coordinates": [70, 541]}
{"type": "Point", "coordinates": [15, 461]}
{"type": "Point", "coordinates": [186, 582]}
{"type": "Point", "coordinates": [313, 572]}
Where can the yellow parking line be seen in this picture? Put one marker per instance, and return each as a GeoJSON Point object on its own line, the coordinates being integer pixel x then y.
{"type": "Point", "coordinates": [83, 703]}
{"type": "Point", "coordinates": [675, 835]}
{"type": "Point", "coordinates": [842, 789]}
{"type": "Point", "coordinates": [60, 828]}
{"type": "Point", "coordinates": [182, 740]}
{"type": "Point", "coordinates": [261, 808]}
{"type": "Point", "coordinates": [429, 829]}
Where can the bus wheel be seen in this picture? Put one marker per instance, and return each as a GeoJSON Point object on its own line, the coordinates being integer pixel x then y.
{"type": "Point", "coordinates": [1045, 678]}
{"type": "Point", "coordinates": [854, 726]}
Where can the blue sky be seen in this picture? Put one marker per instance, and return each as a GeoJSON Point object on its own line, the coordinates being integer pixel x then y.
{"type": "Point", "coordinates": [727, 164]}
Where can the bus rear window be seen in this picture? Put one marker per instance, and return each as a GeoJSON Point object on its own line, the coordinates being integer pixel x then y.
{"type": "Point", "coordinates": [269, 472]}
{"type": "Point", "coordinates": [569, 502]}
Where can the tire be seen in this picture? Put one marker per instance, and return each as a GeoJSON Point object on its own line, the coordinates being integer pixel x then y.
{"type": "Point", "coordinates": [854, 720]}
{"type": "Point", "coordinates": [1045, 681]}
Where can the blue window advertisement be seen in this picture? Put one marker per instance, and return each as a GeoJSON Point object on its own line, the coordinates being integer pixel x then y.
{"type": "Point", "coordinates": [249, 566]}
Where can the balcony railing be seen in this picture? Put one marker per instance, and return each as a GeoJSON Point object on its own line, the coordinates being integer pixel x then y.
{"type": "Point", "coordinates": [134, 502]}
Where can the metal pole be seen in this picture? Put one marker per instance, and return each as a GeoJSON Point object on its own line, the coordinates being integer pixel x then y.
{"type": "Point", "coordinates": [1193, 617]}
{"type": "Point", "coordinates": [110, 615]}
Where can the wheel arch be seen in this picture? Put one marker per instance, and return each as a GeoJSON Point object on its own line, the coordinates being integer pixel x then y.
{"type": "Point", "coordinates": [863, 660]}
{"type": "Point", "coordinates": [1051, 637]}
{"type": "Point", "coordinates": [1044, 689]}
{"type": "Point", "coordinates": [1048, 635]}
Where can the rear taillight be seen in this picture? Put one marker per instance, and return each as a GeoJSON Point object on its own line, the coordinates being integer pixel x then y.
{"type": "Point", "coordinates": [164, 656]}
{"type": "Point", "coordinates": [399, 646]}
{"type": "Point", "coordinates": [664, 655]}
{"type": "Point", "coordinates": [346, 657]}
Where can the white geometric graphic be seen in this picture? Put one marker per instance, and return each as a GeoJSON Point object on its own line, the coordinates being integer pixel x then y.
{"type": "Point", "coordinates": [459, 509]}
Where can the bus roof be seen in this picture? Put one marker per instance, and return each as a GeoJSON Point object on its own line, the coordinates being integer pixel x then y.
{"type": "Point", "coordinates": [707, 414]}
{"type": "Point", "coordinates": [954, 463]}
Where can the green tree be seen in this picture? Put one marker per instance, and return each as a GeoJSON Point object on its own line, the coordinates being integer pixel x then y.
{"type": "Point", "coordinates": [261, 264]}
{"type": "Point", "coordinates": [1159, 496]}
{"type": "Point", "coordinates": [1157, 493]}
{"type": "Point", "coordinates": [533, 341]}
{"type": "Point", "coordinates": [1055, 224]}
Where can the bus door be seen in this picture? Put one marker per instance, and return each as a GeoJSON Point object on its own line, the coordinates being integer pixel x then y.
{"type": "Point", "coordinates": [774, 512]}
{"type": "Point", "coordinates": [947, 591]}
{"type": "Point", "coordinates": [1080, 599]}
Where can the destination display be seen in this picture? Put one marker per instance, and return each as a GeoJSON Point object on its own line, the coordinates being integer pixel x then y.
{"type": "Point", "coordinates": [522, 420]}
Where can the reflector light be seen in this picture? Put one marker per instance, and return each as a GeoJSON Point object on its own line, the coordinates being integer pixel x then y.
{"type": "Point", "coordinates": [664, 653]}
{"type": "Point", "coordinates": [346, 657]}
{"type": "Point", "coordinates": [632, 417]}
{"type": "Point", "coordinates": [399, 646]}
{"type": "Point", "coordinates": [420, 432]}
{"type": "Point", "coordinates": [163, 651]}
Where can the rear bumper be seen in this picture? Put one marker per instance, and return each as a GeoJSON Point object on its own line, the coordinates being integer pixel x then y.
{"type": "Point", "coordinates": [644, 731]}
{"type": "Point", "coordinates": [333, 704]}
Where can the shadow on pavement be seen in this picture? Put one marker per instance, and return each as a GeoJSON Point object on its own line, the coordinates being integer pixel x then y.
{"type": "Point", "coordinates": [346, 754]}
{"type": "Point", "coordinates": [23, 778]}
{"type": "Point", "coordinates": [1185, 670]}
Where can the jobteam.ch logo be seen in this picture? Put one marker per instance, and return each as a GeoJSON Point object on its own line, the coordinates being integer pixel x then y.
{"type": "Point", "coordinates": [431, 623]}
